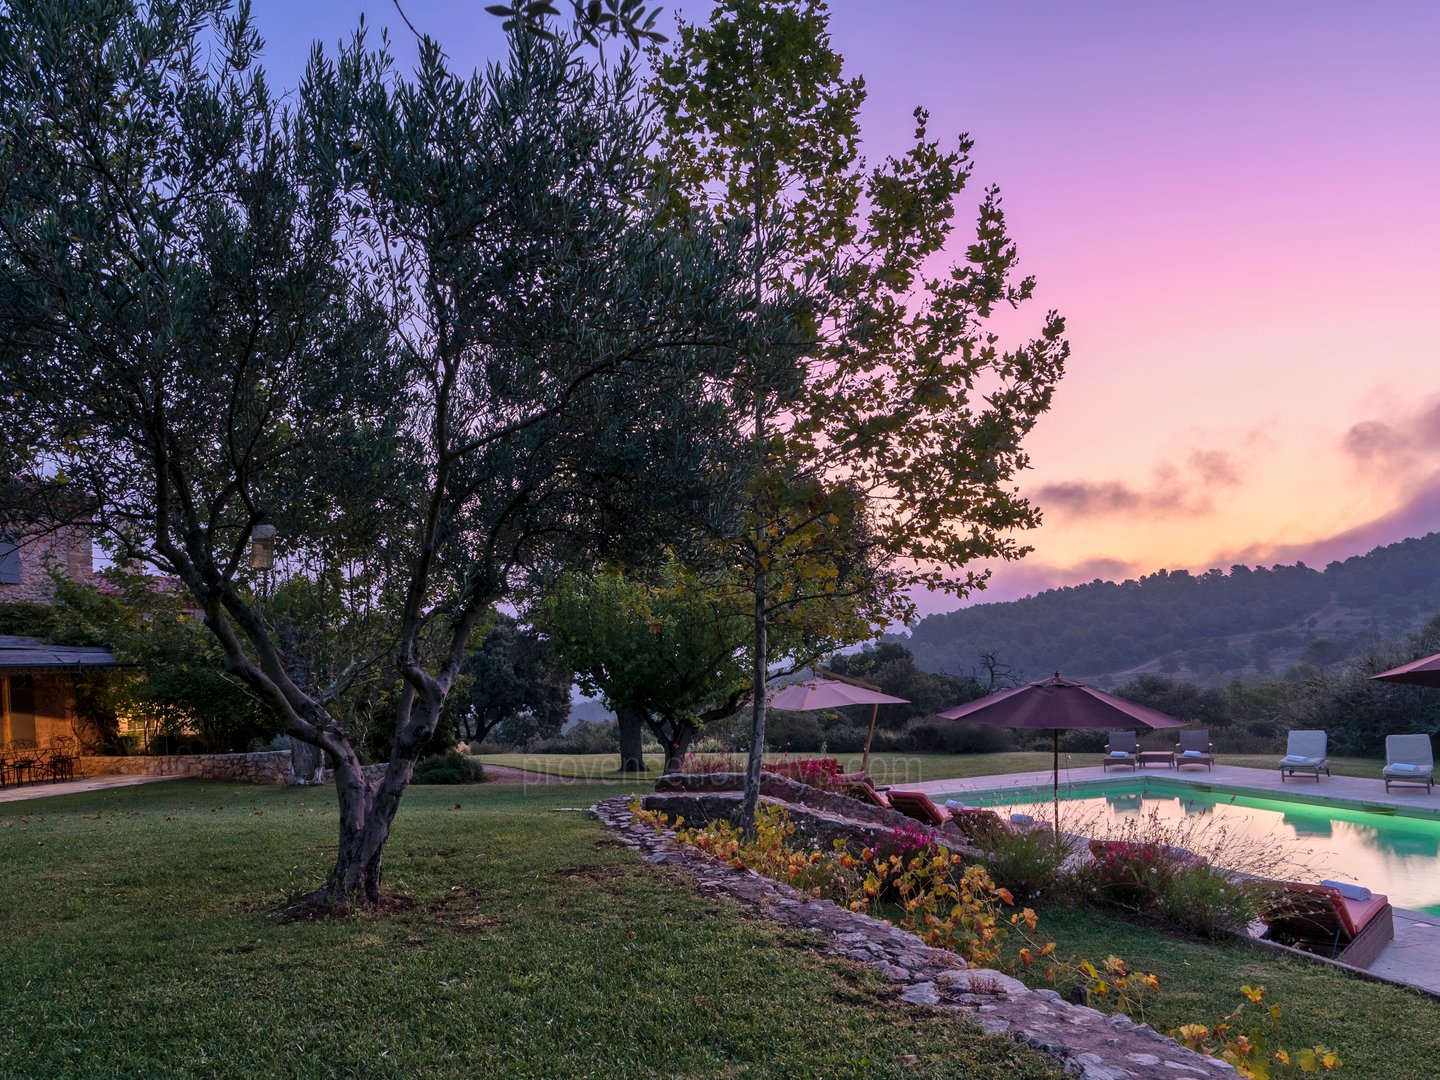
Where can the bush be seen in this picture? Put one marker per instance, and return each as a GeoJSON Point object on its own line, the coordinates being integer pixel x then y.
{"type": "Point", "coordinates": [1211, 902]}
{"type": "Point", "coordinates": [1026, 861]}
{"type": "Point", "coordinates": [948, 737]}
{"type": "Point", "coordinates": [451, 767]}
{"type": "Point", "coordinates": [595, 737]}
{"type": "Point", "coordinates": [845, 739]}
{"type": "Point", "coordinates": [793, 731]}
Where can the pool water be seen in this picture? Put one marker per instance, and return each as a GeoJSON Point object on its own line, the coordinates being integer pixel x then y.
{"type": "Point", "coordinates": [1395, 855]}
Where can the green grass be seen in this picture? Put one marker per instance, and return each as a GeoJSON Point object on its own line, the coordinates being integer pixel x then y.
{"type": "Point", "coordinates": [1378, 1030]}
{"type": "Point", "coordinates": [895, 768]}
{"type": "Point", "coordinates": [135, 940]}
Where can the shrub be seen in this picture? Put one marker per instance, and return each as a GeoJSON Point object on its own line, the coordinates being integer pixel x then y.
{"type": "Point", "coordinates": [817, 772]}
{"type": "Point", "coordinates": [1026, 861]}
{"type": "Point", "coordinates": [694, 763]}
{"type": "Point", "coordinates": [947, 737]}
{"type": "Point", "coordinates": [1211, 902]}
{"type": "Point", "coordinates": [451, 767]}
{"type": "Point", "coordinates": [1131, 874]}
{"type": "Point", "coordinates": [597, 737]}
{"type": "Point", "coordinates": [793, 731]}
{"type": "Point", "coordinates": [845, 739]}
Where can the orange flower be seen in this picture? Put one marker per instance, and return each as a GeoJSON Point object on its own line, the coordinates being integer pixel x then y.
{"type": "Point", "coordinates": [1254, 994]}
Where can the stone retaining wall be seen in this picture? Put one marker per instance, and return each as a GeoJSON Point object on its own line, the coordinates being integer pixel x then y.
{"type": "Point", "coordinates": [265, 767]}
{"type": "Point", "coordinates": [1089, 1044]}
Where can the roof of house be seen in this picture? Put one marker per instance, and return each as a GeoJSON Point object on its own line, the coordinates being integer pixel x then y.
{"type": "Point", "coordinates": [28, 652]}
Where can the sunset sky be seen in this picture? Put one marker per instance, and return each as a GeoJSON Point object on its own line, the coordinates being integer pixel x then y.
{"type": "Point", "coordinates": [1235, 207]}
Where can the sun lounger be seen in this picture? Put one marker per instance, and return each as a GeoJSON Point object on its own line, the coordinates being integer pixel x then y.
{"type": "Point", "coordinates": [1343, 922]}
{"type": "Point", "coordinates": [1121, 749]}
{"type": "Point", "coordinates": [1409, 760]}
{"type": "Point", "coordinates": [866, 792]}
{"type": "Point", "coordinates": [1194, 748]}
{"type": "Point", "coordinates": [1305, 752]}
{"type": "Point", "coordinates": [917, 804]}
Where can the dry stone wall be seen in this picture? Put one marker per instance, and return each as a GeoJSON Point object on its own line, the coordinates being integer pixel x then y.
{"type": "Point", "coordinates": [265, 767]}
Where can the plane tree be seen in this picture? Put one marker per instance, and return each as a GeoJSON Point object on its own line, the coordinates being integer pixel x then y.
{"type": "Point", "coordinates": [893, 379]}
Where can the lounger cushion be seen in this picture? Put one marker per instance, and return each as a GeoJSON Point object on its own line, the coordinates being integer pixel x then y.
{"type": "Point", "coordinates": [1358, 913]}
{"type": "Point", "coordinates": [1193, 753]}
{"type": "Point", "coordinates": [1118, 753]}
{"type": "Point", "coordinates": [1402, 767]}
{"type": "Point", "coordinates": [1296, 759]}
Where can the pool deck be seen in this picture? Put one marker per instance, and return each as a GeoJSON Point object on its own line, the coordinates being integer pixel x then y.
{"type": "Point", "coordinates": [1413, 958]}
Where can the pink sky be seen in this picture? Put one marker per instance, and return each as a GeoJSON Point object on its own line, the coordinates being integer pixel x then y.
{"type": "Point", "coordinates": [1233, 204]}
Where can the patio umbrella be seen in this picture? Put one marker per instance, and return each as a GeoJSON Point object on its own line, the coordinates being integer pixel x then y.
{"type": "Point", "coordinates": [835, 693]}
{"type": "Point", "coordinates": [1424, 672]}
{"type": "Point", "coordinates": [1059, 705]}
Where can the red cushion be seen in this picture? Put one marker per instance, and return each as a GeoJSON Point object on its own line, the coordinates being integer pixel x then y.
{"type": "Point", "coordinates": [1356, 914]}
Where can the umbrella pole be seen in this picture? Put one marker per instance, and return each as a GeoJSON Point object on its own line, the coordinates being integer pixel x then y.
{"type": "Point", "coordinates": [1055, 783]}
{"type": "Point", "coordinates": [869, 735]}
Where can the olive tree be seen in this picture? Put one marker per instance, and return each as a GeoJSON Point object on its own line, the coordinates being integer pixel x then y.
{"type": "Point", "coordinates": [439, 324]}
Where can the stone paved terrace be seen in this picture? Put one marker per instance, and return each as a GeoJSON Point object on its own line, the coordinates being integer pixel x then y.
{"type": "Point", "coordinates": [1412, 958]}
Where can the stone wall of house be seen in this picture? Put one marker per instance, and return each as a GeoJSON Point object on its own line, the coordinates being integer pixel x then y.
{"type": "Point", "coordinates": [265, 767]}
{"type": "Point", "coordinates": [68, 550]}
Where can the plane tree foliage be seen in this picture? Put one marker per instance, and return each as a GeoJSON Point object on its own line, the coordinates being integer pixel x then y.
{"type": "Point", "coordinates": [436, 323]}
{"type": "Point", "coordinates": [670, 651]}
{"type": "Point", "coordinates": [891, 379]}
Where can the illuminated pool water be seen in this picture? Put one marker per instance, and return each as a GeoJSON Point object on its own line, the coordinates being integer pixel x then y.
{"type": "Point", "coordinates": [1394, 854]}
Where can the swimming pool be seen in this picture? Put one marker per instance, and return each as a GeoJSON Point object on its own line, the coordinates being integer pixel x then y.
{"type": "Point", "coordinates": [1395, 854]}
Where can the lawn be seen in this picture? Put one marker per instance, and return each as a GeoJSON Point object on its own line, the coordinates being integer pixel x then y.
{"type": "Point", "coordinates": [1378, 1030]}
{"type": "Point", "coordinates": [895, 768]}
{"type": "Point", "coordinates": [135, 940]}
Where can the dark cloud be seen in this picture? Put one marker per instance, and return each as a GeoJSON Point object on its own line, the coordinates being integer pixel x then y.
{"type": "Point", "coordinates": [1172, 491]}
{"type": "Point", "coordinates": [1215, 467]}
{"type": "Point", "coordinates": [1371, 439]}
{"type": "Point", "coordinates": [1397, 445]}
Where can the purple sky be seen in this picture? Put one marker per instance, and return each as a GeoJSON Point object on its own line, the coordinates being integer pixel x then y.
{"type": "Point", "coordinates": [1233, 204]}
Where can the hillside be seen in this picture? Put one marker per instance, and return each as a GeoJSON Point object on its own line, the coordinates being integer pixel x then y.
{"type": "Point", "coordinates": [1206, 627]}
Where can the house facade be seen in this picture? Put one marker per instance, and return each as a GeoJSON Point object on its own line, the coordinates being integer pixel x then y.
{"type": "Point", "coordinates": [37, 680]}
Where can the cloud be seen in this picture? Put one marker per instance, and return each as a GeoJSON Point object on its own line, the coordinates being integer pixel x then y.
{"type": "Point", "coordinates": [1399, 446]}
{"type": "Point", "coordinates": [1172, 491]}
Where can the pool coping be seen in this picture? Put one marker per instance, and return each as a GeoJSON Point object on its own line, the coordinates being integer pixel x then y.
{"type": "Point", "coordinates": [1039, 793]}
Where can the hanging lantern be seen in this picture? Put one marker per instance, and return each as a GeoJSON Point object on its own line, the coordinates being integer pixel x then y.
{"type": "Point", "coordinates": [262, 547]}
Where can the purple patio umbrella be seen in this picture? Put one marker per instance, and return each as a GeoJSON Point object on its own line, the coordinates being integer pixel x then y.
{"type": "Point", "coordinates": [832, 693]}
{"type": "Point", "coordinates": [1424, 672]}
{"type": "Point", "coordinates": [1059, 705]}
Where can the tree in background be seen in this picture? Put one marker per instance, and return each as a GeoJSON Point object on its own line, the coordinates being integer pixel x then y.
{"type": "Point", "coordinates": [888, 381]}
{"type": "Point", "coordinates": [436, 319]}
{"type": "Point", "coordinates": [663, 656]}
{"type": "Point", "coordinates": [890, 666]}
{"type": "Point", "coordinates": [512, 686]}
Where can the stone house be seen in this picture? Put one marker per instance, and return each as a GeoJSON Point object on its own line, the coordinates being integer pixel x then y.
{"type": "Point", "coordinates": [37, 680]}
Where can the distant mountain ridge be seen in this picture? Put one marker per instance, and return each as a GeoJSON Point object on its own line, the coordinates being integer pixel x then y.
{"type": "Point", "coordinates": [1209, 627]}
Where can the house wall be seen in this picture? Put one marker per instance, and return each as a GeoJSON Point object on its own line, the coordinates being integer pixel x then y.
{"type": "Point", "coordinates": [68, 549]}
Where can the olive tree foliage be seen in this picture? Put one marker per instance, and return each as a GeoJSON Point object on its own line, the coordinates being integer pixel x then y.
{"type": "Point", "coordinates": [430, 322]}
{"type": "Point", "coordinates": [905, 394]}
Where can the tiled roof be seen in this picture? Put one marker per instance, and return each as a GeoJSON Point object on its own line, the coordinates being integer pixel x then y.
{"type": "Point", "coordinates": [27, 652]}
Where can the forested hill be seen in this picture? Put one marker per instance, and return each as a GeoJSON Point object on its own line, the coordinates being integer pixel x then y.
{"type": "Point", "coordinates": [1207, 627]}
